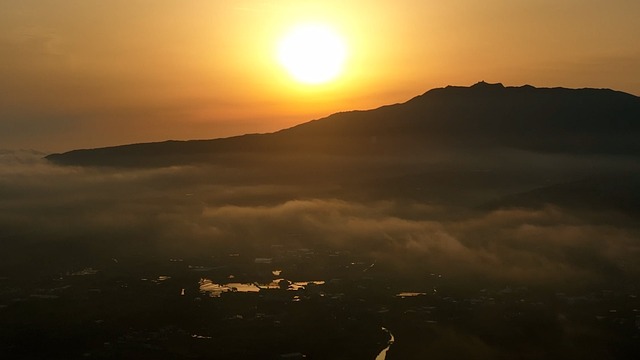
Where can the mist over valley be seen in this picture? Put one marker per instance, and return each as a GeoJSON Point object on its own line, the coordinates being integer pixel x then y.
{"type": "Point", "coordinates": [483, 222]}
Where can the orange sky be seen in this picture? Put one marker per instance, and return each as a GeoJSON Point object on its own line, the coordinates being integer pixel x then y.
{"type": "Point", "coordinates": [85, 73]}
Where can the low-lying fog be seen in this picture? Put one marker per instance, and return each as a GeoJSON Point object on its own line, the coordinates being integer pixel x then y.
{"type": "Point", "coordinates": [53, 216]}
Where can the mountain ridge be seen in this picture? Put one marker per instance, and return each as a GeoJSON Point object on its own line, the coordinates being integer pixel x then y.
{"type": "Point", "coordinates": [482, 116]}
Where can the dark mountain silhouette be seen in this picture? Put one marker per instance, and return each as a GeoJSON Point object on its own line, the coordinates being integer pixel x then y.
{"type": "Point", "coordinates": [441, 121]}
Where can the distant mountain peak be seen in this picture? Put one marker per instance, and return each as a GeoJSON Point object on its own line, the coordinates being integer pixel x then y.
{"type": "Point", "coordinates": [481, 116]}
{"type": "Point", "coordinates": [485, 85]}
{"type": "Point", "coordinates": [481, 86]}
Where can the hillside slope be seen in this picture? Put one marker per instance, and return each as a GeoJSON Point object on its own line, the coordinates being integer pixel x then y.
{"type": "Point", "coordinates": [477, 118]}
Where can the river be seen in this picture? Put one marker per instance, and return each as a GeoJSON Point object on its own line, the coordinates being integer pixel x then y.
{"type": "Point", "coordinates": [383, 353]}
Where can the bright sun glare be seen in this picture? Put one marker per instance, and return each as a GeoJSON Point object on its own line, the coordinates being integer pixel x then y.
{"type": "Point", "coordinates": [312, 53]}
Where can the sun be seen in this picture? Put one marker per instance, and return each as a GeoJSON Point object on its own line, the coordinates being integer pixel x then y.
{"type": "Point", "coordinates": [312, 53]}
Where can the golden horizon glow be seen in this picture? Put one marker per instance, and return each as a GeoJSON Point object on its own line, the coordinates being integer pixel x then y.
{"type": "Point", "coordinates": [312, 53]}
{"type": "Point", "coordinates": [75, 74]}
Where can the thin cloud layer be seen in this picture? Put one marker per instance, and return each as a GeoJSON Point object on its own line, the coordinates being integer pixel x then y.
{"type": "Point", "coordinates": [190, 210]}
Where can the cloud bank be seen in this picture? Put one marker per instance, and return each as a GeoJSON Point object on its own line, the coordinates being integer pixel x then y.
{"type": "Point", "coordinates": [191, 210]}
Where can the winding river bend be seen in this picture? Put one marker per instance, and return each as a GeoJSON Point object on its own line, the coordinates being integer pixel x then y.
{"type": "Point", "coordinates": [383, 353]}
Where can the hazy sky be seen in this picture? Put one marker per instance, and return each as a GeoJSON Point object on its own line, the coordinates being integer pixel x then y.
{"type": "Point", "coordinates": [85, 73]}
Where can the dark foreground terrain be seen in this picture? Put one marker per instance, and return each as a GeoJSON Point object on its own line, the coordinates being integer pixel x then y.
{"type": "Point", "coordinates": [487, 222]}
{"type": "Point", "coordinates": [140, 308]}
